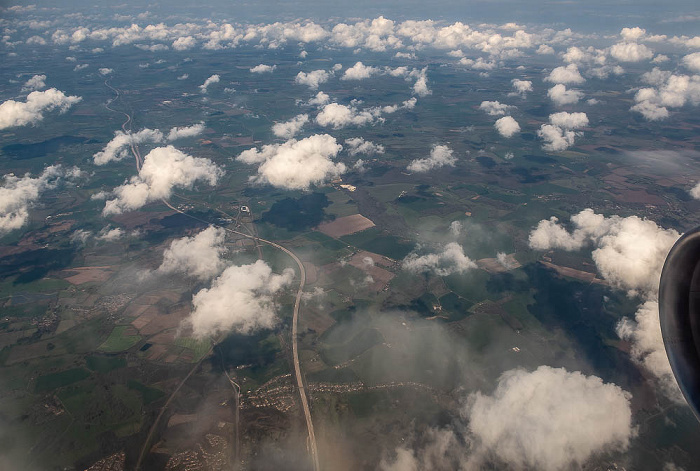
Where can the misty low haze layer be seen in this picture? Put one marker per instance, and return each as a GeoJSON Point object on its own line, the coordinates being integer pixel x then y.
{"type": "Point", "coordinates": [310, 236]}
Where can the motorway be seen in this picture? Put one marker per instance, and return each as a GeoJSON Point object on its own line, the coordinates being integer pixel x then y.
{"type": "Point", "coordinates": [311, 439]}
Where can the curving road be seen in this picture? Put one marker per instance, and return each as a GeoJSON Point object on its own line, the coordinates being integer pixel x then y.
{"type": "Point", "coordinates": [311, 439]}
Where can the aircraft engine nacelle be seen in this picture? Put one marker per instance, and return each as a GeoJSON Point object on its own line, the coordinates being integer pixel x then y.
{"type": "Point", "coordinates": [679, 310]}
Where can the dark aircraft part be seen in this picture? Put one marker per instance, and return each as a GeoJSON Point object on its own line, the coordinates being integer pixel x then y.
{"type": "Point", "coordinates": [679, 309]}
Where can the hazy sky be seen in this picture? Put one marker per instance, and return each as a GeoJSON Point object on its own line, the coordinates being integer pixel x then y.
{"type": "Point", "coordinates": [675, 16]}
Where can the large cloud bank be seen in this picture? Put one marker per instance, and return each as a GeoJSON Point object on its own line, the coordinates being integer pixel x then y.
{"type": "Point", "coordinates": [164, 168]}
{"type": "Point", "coordinates": [296, 165]}
{"type": "Point", "coordinates": [669, 91]}
{"type": "Point", "coordinates": [241, 300]}
{"type": "Point", "coordinates": [629, 253]}
{"type": "Point", "coordinates": [198, 256]}
{"type": "Point", "coordinates": [550, 419]}
{"type": "Point", "coordinates": [17, 113]}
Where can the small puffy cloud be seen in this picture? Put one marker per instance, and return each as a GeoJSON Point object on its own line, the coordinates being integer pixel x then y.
{"type": "Point", "coordinates": [559, 135]}
{"type": "Point", "coordinates": [184, 43]}
{"type": "Point", "coordinates": [440, 156]}
{"type": "Point", "coordinates": [628, 252]}
{"type": "Point", "coordinates": [183, 77]}
{"type": "Point", "coordinates": [569, 120]}
{"type": "Point", "coordinates": [565, 75]}
{"type": "Point", "coordinates": [17, 195]}
{"type": "Point", "coordinates": [556, 139]}
{"type": "Point", "coordinates": [650, 110]}
{"type": "Point", "coordinates": [319, 99]}
{"type": "Point", "coordinates": [312, 79]}
{"type": "Point", "coordinates": [550, 419]}
{"type": "Point", "coordinates": [507, 126]}
{"type": "Point", "coordinates": [406, 105]}
{"type": "Point", "coordinates": [631, 52]}
{"type": "Point", "coordinates": [449, 260]}
{"type": "Point", "coordinates": [240, 300]}
{"type": "Point", "coordinates": [36, 41]}
{"type": "Point", "coordinates": [109, 234]}
{"type": "Point", "coordinates": [263, 69]}
{"type": "Point", "coordinates": [198, 256]}
{"type": "Point", "coordinates": [104, 71]}
{"type": "Point", "coordinates": [37, 82]}
{"type": "Point", "coordinates": [495, 108]}
{"type": "Point", "coordinates": [339, 116]}
{"type": "Point", "coordinates": [296, 165]}
{"type": "Point", "coordinates": [545, 49]}
{"type": "Point", "coordinates": [358, 145]}
{"type": "Point", "coordinates": [117, 148]}
{"type": "Point", "coordinates": [692, 61]}
{"type": "Point", "coordinates": [420, 88]}
{"type": "Point", "coordinates": [521, 87]}
{"type": "Point", "coordinates": [478, 64]}
{"type": "Point", "coordinates": [561, 96]}
{"type": "Point", "coordinates": [185, 131]}
{"type": "Point", "coordinates": [359, 71]}
{"type": "Point", "coordinates": [163, 169]}
{"type": "Point", "coordinates": [80, 67]}
{"type": "Point", "coordinates": [632, 34]}
{"type": "Point", "coordinates": [656, 76]}
{"type": "Point", "coordinates": [211, 80]}
{"type": "Point", "coordinates": [289, 129]}
{"type": "Point", "coordinates": [16, 113]}
{"type": "Point", "coordinates": [695, 192]}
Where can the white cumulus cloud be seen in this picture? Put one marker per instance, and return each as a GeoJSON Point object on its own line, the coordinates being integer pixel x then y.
{"type": "Point", "coordinates": [440, 156]}
{"type": "Point", "coordinates": [550, 419]}
{"type": "Point", "coordinates": [631, 52]}
{"type": "Point", "coordinates": [289, 129]}
{"type": "Point", "coordinates": [240, 300]}
{"type": "Point", "coordinates": [199, 256]}
{"type": "Point", "coordinates": [312, 79]}
{"type": "Point", "coordinates": [117, 148]}
{"type": "Point", "coordinates": [185, 131]}
{"type": "Point", "coordinates": [507, 126]}
{"type": "Point", "coordinates": [561, 96]}
{"type": "Point", "coordinates": [17, 113]}
{"type": "Point", "coordinates": [451, 259]}
{"type": "Point", "coordinates": [359, 71]}
{"type": "Point", "coordinates": [357, 145]}
{"type": "Point", "coordinates": [339, 116]}
{"type": "Point", "coordinates": [210, 81]}
{"type": "Point", "coordinates": [37, 82]}
{"type": "Point", "coordinates": [495, 108]}
{"type": "Point", "coordinates": [18, 194]}
{"type": "Point", "coordinates": [163, 169]}
{"type": "Point", "coordinates": [263, 69]}
{"type": "Point", "coordinates": [566, 75]}
{"type": "Point", "coordinates": [296, 165]}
